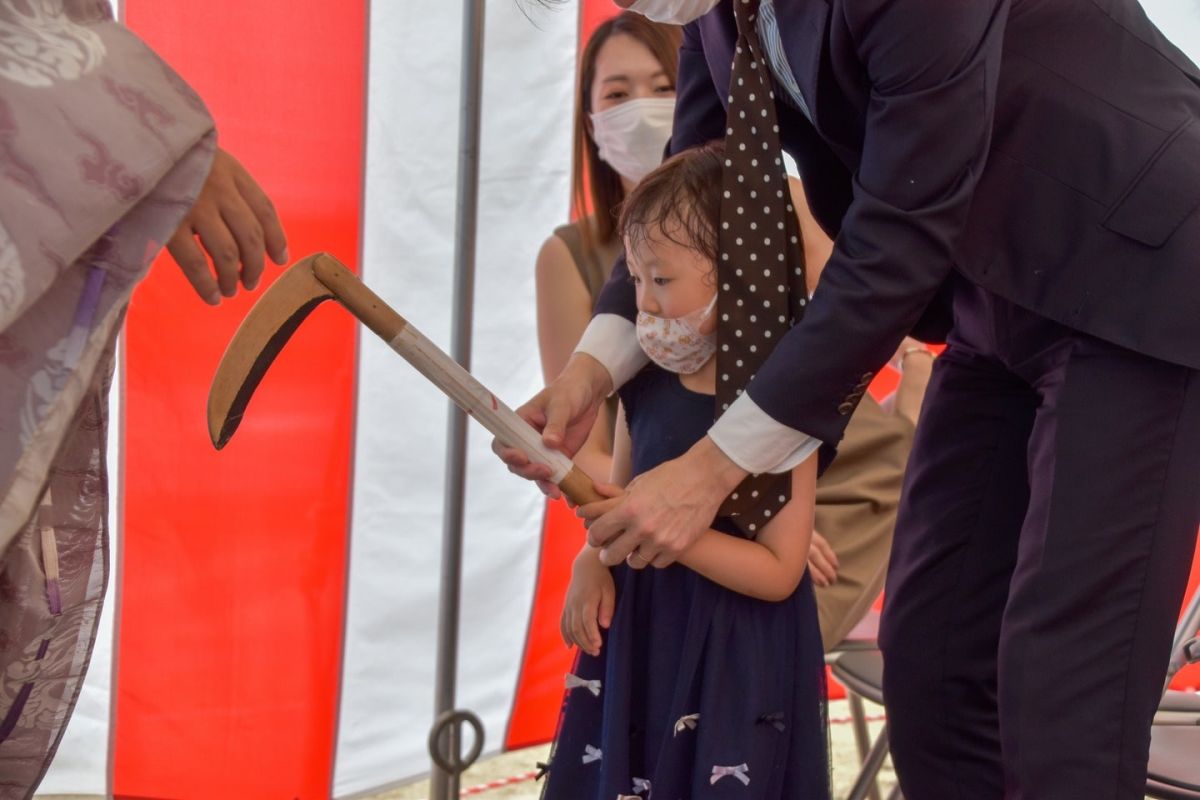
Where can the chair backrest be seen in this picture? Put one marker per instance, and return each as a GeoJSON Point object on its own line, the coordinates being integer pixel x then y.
{"type": "Point", "coordinates": [1188, 628]}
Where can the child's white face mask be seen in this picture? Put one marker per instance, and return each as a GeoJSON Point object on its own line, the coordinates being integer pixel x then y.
{"type": "Point", "coordinates": [631, 136]}
{"type": "Point", "coordinates": [674, 12]}
{"type": "Point", "coordinates": [677, 345]}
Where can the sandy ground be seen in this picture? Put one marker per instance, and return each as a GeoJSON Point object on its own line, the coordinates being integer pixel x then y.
{"type": "Point", "coordinates": [521, 762]}
{"type": "Point", "coordinates": [477, 782]}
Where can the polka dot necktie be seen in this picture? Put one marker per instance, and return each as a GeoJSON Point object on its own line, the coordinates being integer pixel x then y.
{"type": "Point", "coordinates": [761, 263]}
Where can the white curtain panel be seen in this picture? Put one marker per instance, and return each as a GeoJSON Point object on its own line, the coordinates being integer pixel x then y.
{"type": "Point", "coordinates": [399, 481]}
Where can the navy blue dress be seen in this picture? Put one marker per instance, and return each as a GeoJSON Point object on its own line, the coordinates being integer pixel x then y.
{"type": "Point", "coordinates": [698, 692]}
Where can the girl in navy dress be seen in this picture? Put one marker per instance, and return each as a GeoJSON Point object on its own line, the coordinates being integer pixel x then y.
{"type": "Point", "coordinates": [704, 679]}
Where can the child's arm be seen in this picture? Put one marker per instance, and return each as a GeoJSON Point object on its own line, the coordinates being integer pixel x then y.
{"type": "Point", "coordinates": [592, 594]}
{"type": "Point", "coordinates": [769, 568]}
{"type": "Point", "coordinates": [589, 604]}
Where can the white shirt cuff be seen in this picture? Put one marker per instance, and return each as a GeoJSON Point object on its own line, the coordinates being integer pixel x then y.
{"type": "Point", "coordinates": [612, 340]}
{"type": "Point", "coordinates": [758, 443]}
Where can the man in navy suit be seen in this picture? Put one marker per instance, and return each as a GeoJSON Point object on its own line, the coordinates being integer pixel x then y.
{"type": "Point", "coordinates": [1021, 176]}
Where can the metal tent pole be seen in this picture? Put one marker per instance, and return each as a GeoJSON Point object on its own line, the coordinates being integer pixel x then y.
{"type": "Point", "coordinates": [445, 737]}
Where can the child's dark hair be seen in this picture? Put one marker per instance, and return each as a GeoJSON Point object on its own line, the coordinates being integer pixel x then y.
{"type": "Point", "coordinates": [679, 201]}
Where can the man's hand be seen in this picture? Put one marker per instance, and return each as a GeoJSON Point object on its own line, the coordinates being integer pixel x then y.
{"type": "Point", "coordinates": [564, 412]}
{"type": "Point", "coordinates": [591, 597]}
{"type": "Point", "coordinates": [664, 510]}
{"type": "Point", "coordinates": [594, 510]}
{"type": "Point", "coordinates": [822, 561]}
{"type": "Point", "coordinates": [235, 222]}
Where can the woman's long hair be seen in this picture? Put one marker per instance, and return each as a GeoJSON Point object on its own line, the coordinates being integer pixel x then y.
{"type": "Point", "coordinates": [595, 186]}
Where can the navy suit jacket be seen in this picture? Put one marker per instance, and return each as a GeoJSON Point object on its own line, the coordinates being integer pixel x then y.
{"type": "Point", "coordinates": [1046, 149]}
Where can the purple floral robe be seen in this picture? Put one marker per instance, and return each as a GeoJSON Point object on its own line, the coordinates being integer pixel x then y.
{"type": "Point", "coordinates": [103, 149]}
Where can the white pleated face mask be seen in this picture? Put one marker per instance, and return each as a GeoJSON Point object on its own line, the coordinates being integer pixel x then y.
{"type": "Point", "coordinates": [677, 345]}
{"type": "Point", "coordinates": [631, 136]}
{"type": "Point", "coordinates": [673, 12]}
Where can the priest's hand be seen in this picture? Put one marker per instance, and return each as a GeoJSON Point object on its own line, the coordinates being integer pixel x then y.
{"type": "Point", "coordinates": [231, 224]}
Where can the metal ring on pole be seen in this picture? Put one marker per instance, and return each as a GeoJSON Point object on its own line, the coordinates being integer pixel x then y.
{"type": "Point", "coordinates": [449, 722]}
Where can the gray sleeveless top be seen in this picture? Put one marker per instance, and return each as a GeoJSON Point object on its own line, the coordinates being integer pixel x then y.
{"type": "Point", "coordinates": [594, 267]}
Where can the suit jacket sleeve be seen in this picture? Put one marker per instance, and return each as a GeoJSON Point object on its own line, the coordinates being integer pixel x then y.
{"type": "Point", "coordinates": [933, 67]}
{"type": "Point", "coordinates": [699, 118]}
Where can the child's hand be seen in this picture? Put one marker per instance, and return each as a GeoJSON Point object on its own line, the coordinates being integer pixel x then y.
{"type": "Point", "coordinates": [597, 509]}
{"type": "Point", "coordinates": [822, 561]}
{"type": "Point", "coordinates": [589, 604]}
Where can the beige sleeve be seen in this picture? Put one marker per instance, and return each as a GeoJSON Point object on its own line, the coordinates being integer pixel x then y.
{"type": "Point", "coordinates": [857, 498]}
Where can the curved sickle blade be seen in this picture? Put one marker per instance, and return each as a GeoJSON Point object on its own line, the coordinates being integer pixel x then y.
{"type": "Point", "coordinates": [262, 334]}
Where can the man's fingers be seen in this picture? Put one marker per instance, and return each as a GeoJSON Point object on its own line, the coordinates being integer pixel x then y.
{"type": "Point", "coordinates": [664, 558]}
{"type": "Point", "coordinates": [532, 472]}
{"type": "Point", "coordinates": [222, 249]}
{"type": "Point", "coordinates": [273, 238]}
{"type": "Point", "coordinates": [644, 555]}
{"type": "Point", "coordinates": [607, 527]}
{"type": "Point", "coordinates": [533, 413]}
{"type": "Point", "coordinates": [618, 549]}
{"type": "Point", "coordinates": [559, 413]}
{"type": "Point", "coordinates": [549, 489]}
{"type": "Point", "coordinates": [596, 509]}
{"type": "Point", "coordinates": [510, 455]}
{"type": "Point", "coordinates": [248, 234]}
{"type": "Point", "coordinates": [190, 258]}
{"type": "Point", "coordinates": [609, 489]}
{"type": "Point", "coordinates": [519, 464]}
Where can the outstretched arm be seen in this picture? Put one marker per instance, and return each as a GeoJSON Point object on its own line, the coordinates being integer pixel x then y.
{"type": "Point", "coordinates": [933, 68]}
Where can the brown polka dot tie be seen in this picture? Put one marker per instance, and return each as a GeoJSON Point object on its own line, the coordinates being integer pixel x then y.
{"type": "Point", "coordinates": [760, 263]}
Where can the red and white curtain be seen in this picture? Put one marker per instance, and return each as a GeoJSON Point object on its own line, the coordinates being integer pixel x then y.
{"type": "Point", "coordinates": [270, 630]}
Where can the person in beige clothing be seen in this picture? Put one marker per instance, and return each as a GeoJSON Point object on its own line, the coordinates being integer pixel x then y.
{"type": "Point", "coordinates": [859, 493]}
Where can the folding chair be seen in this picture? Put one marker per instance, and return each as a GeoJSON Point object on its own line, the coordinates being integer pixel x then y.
{"type": "Point", "coordinates": [1182, 708]}
{"type": "Point", "coordinates": [1174, 768]}
{"type": "Point", "coordinates": [861, 672]}
{"type": "Point", "coordinates": [862, 637]}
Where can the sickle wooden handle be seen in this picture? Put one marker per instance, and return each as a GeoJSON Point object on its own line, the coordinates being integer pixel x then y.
{"type": "Point", "coordinates": [578, 488]}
